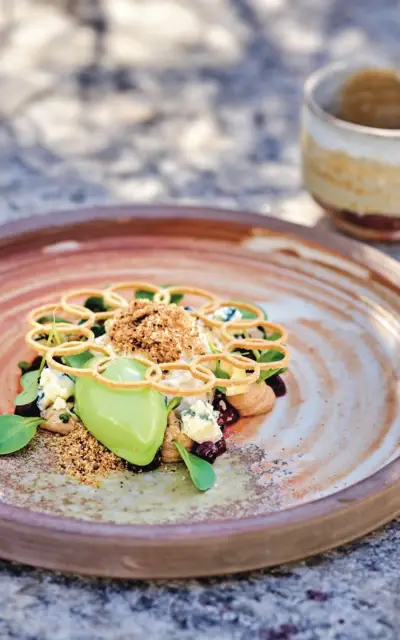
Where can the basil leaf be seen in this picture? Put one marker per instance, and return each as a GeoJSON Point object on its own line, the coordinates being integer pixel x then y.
{"type": "Point", "coordinates": [95, 304]}
{"type": "Point", "coordinates": [149, 295]}
{"type": "Point", "coordinates": [201, 472]}
{"type": "Point", "coordinates": [175, 402]}
{"type": "Point", "coordinates": [16, 432]}
{"type": "Point", "coordinates": [29, 382]}
{"type": "Point", "coordinates": [270, 356]}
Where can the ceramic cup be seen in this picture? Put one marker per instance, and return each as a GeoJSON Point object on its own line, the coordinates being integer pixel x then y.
{"type": "Point", "coordinates": [351, 148]}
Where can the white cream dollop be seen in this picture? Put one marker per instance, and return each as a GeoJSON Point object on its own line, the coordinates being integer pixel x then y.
{"type": "Point", "coordinates": [199, 422]}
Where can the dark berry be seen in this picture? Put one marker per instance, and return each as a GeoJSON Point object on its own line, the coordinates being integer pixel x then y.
{"type": "Point", "coordinates": [135, 468]}
{"type": "Point", "coordinates": [210, 450]}
{"type": "Point", "coordinates": [30, 410]}
{"type": "Point", "coordinates": [221, 446]}
{"type": "Point", "coordinates": [228, 415]}
{"type": "Point", "coordinates": [277, 385]}
{"type": "Point", "coordinates": [206, 451]}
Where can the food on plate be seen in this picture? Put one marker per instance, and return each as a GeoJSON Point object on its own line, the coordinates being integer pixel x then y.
{"type": "Point", "coordinates": [138, 375]}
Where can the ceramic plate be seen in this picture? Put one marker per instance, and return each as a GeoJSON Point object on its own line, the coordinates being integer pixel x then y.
{"type": "Point", "coordinates": [320, 470]}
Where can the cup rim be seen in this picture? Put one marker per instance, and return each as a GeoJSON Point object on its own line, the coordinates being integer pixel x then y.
{"type": "Point", "coordinates": [316, 77]}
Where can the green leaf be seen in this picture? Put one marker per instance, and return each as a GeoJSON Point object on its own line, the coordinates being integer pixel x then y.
{"type": "Point", "coordinates": [201, 472]}
{"type": "Point", "coordinates": [78, 360]}
{"type": "Point", "coordinates": [95, 304]}
{"type": "Point", "coordinates": [274, 336]}
{"type": "Point", "coordinates": [271, 355]}
{"type": "Point", "coordinates": [48, 319]}
{"type": "Point", "coordinates": [248, 315]}
{"type": "Point", "coordinates": [98, 329]}
{"type": "Point", "coordinates": [16, 432]}
{"type": "Point", "coordinates": [175, 402]}
{"type": "Point", "coordinates": [29, 382]}
{"type": "Point", "coordinates": [24, 366]}
{"type": "Point", "coordinates": [149, 295]}
{"type": "Point", "coordinates": [220, 373]}
{"type": "Point", "coordinates": [144, 295]}
{"type": "Point", "coordinates": [30, 379]}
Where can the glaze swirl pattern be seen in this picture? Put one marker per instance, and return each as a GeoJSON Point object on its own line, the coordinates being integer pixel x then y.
{"type": "Point", "coordinates": [338, 423]}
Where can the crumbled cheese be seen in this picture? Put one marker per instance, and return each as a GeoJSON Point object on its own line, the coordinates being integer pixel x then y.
{"type": "Point", "coordinates": [199, 422]}
{"type": "Point", "coordinates": [54, 386]}
{"type": "Point", "coordinates": [59, 404]}
{"type": "Point", "coordinates": [226, 314]}
{"type": "Point", "coordinates": [209, 339]}
{"type": "Point", "coordinates": [104, 341]}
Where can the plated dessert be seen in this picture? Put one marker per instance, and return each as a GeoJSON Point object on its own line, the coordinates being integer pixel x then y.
{"type": "Point", "coordinates": [138, 375]}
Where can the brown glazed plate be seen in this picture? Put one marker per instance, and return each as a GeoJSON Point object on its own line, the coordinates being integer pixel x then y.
{"type": "Point", "coordinates": [320, 470]}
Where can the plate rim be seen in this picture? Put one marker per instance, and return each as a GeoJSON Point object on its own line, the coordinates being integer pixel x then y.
{"type": "Point", "coordinates": [321, 514]}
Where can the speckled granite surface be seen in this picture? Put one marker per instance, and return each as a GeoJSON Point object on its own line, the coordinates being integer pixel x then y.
{"type": "Point", "coordinates": [192, 101]}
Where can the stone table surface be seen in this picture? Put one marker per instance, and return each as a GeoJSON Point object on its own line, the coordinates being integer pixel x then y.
{"type": "Point", "coordinates": [169, 100]}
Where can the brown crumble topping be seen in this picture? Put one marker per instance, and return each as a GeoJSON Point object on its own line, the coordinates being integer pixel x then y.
{"type": "Point", "coordinates": [162, 331]}
{"type": "Point", "coordinates": [54, 422]}
{"type": "Point", "coordinates": [80, 455]}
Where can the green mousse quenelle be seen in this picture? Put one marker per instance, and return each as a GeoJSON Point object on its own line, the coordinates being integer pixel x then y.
{"type": "Point", "coordinates": [129, 422]}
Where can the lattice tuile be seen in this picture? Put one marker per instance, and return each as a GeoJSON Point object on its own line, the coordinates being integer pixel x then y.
{"type": "Point", "coordinates": [155, 378]}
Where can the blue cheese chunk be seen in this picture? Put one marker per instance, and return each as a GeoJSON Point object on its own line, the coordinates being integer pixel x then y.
{"type": "Point", "coordinates": [199, 422]}
{"type": "Point", "coordinates": [54, 389]}
{"type": "Point", "coordinates": [226, 314]}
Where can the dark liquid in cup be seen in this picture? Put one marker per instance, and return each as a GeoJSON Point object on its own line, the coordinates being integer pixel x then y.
{"type": "Point", "coordinates": [371, 97]}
